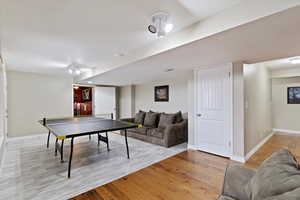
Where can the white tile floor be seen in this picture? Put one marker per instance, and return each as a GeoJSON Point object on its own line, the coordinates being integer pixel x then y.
{"type": "Point", "coordinates": [31, 171]}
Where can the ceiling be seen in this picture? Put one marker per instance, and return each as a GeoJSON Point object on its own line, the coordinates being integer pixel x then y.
{"type": "Point", "coordinates": [269, 38]}
{"type": "Point", "coordinates": [280, 64]}
{"type": "Point", "coordinates": [47, 36]}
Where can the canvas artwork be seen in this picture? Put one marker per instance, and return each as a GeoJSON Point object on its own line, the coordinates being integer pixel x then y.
{"type": "Point", "coordinates": [293, 94]}
{"type": "Point", "coordinates": [86, 95]}
{"type": "Point", "coordinates": [161, 93]}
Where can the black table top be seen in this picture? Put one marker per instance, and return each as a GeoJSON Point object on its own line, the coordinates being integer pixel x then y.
{"type": "Point", "coordinates": [71, 127]}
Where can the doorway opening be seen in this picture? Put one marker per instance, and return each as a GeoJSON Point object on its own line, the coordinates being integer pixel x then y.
{"type": "Point", "coordinates": [82, 101]}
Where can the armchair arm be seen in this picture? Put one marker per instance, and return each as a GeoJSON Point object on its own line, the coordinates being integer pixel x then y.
{"type": "Point", "coordinates": [131, 120]}
{"type": "Point", "coordinates": [235, 180]}
{"type": "Point", "coordinates": [176, 133]}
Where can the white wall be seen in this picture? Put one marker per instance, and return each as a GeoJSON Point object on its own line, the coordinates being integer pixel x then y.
{"type": "Point", "coordinates": [191, 111]}
{"type": "Point", "coordinates": [258, 106]}
{"type": "Point", "coordinates": [33, 96]}
{"type": "Point", "coordinates": [127, 101]}
{"type": "Point", "coordinates": [285, 116]}
{"type": "Point", "coordinates": [238, 111]}
{"type": "Point", "coordinates": [141, 97]}
{"type": "Point", "coordinates": [3, 109]}
{"type": "Point", "coordinates": [178, 96]}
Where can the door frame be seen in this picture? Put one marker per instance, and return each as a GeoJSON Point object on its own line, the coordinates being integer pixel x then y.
{"type": "Point", "coordinates": [228, 66]}
{"type": "Point", "coordinates": [82, 85]}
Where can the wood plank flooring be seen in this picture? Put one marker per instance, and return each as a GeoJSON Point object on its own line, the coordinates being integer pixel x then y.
{"type": "Point", "coordinates": [188, 175]}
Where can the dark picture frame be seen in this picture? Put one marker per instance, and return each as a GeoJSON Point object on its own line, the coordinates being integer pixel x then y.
{"type": "Point", "coordinates": [86, 94]}
{"type": "Point", "coordinates": [293, 95]}
{"type": "Point", "coordinates": [161, 93]}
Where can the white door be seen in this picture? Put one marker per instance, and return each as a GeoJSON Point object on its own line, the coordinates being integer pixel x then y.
{"type": "Point", "coordinates": [105, 100]}
{"type": "Point", "coordinates": [213, 101]}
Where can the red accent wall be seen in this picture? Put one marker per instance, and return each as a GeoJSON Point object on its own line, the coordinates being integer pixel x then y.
{"type": "Point", "coordinates": [81, 106]}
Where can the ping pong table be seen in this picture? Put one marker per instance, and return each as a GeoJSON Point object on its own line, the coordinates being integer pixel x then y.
{"type": "Point", "coordinates": [70, 128]}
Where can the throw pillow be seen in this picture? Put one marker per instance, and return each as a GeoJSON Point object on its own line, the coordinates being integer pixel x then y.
{"type": "Point", "coordinates": [139, 117]}
{"type": "Point", "coordinates": [166, 119]}
{"type": "Point", "coordinates": [151, 119]}
{"type": "Point", "coordinates": [277, 175]}
{"type": "Point", "coordinates": [178, 117]}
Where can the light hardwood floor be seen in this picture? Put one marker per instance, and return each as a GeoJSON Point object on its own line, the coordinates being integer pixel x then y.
{"type": "Point", "coordinates": [188, 175]}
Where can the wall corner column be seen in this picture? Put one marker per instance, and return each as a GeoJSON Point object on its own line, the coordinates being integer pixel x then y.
{"type": "Point", "coordinates": [238, 112]}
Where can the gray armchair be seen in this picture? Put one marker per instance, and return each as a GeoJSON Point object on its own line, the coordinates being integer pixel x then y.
{"type": "Point", "coordinates": [278, 178]}
{"type": "Point", "coordinates": [236, 177]}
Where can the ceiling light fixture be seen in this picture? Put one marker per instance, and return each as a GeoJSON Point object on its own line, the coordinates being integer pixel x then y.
{"type": "Point", "coordinates": [160, 24]}
{"type": "Point", "coordinates": [295, 60]}
{"type": "Point", "coordinates": [90, 82]}
{"type": "Point", "coordinates": [78, 72]}
{"type": "Point", "coordinates": [169, 28]}
{"type": "Point", "coordinates": [76, 69]}
{"type": "Point", "coordinates": [73, 69]}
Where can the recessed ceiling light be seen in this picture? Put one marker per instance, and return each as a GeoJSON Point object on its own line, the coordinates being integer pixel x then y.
{"type": "Point", "coordinates": [295, 60]}
{"type": "Point", "coordinates": [169, 70]}
{"type": "Point", "coordinates": [90, 82]}
{"type": "Point", "coordinates": [70, 71]}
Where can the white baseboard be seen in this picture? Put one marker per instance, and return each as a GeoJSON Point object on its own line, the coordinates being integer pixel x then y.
{"type": "Point", "coordinates": [190, 146]}
{"type": "Point", "coordinates": [238, 158]}
{"type": "Point", "coordinates": [286, 131]}
{"type": "Point", "coordinates": [258, 146]}
{"type": "Point", "coordinates": [2, 153]}
{"type": "Point", "coordinates": [25, 137]}
{"type": "Point", "coordinates": [235, 158]}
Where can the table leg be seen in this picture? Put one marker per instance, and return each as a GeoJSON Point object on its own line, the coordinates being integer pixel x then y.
{"type": "Point", "coordinates": [48, 139]}
{"type": "Point", "coordinates": [56, 146]}
{"type": "Point", "coordinates": [98, 139]}
{"type": "Point", "coordinates": [70, 159]}
{"type": "Point", "coordinates": [126, 143]}
{"type": "Point", "coordinates": [90, 137]}
{"type": "Point", "coordinates": [62, 151]}
{"type": "Point", "coordinates": [107, 142]}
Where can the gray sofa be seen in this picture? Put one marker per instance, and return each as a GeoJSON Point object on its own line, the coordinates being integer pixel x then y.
{"type": "Point", "coordinates": [278, 178]}
{"type": "Point", "coordinates": [159, 128]}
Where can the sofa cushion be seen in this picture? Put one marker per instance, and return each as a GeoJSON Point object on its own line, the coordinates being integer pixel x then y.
{"type": "Point", "coordinates": [139, 117]}
{"type": "Point", "coordinates": [151, 119]}
{"type": "Point", "coordinates": [166, 119]}
{"type": "Point", "coordinates": [142, 131]}
{"type": "Point", "coordinates": [277, 175]}
{"type": "Point", "coordinates": [178, 117]}
{"type": "Point", "coordinates": [157, 132]}
{"type": "Point", "coordinates": [292, 195]}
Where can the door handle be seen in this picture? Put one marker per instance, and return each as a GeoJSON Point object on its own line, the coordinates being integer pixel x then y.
{"type": "Point", "coordinates": [199, 115]}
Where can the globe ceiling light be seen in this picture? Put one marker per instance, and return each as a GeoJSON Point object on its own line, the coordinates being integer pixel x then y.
{"type": "Point", "coordinates": [74, 69]}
